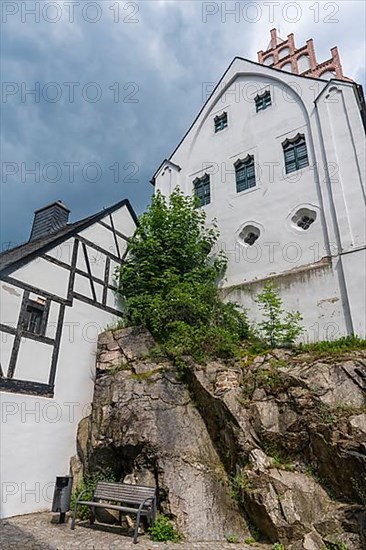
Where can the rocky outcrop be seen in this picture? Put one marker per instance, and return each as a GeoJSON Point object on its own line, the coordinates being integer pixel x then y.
{"type": "Point", "coordinates": [277, 442]}
{"type": "Point", "coordinates": [146, 428]}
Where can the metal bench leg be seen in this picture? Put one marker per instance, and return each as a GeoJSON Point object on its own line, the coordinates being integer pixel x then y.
{"type": "Point", "coordinates": [92, 515]}
{"type": "Point", "coordinates": [74, 517]}
{"type": "Point", "coordinates": [137, 527]}
{"type": "Point", "coordinates": [153, 515]}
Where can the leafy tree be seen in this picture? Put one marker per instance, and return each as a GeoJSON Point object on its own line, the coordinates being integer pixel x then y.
{"type": "Point", "coordinates": [169, 282]}
{"type": "Point", "coordinates": [279, 328]}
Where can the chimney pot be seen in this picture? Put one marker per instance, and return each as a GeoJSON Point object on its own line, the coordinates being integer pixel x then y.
{"type": "Point", "coordinates": [49, 219]}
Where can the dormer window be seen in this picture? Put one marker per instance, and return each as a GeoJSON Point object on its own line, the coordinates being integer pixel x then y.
{"type": "Point", "coordinates": [295, 152]}
{"type": "Point", "coordinates": [202, 189]}
{"type": "Point", "coordinates": [245, 174]}
{"type": "Point", "coordinates": [263, 101]}
{"type": "Point", "coordinates": [220, 122]}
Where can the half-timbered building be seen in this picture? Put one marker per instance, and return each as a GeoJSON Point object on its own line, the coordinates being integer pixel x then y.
{"type": "Point", "coordinates": [58, 292]}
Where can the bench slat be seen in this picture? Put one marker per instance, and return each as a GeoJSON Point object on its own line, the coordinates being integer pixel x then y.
{"type": "Point", "coordinates": [112, 507]}
{"type": "Point", "coordinates": [122, 491]}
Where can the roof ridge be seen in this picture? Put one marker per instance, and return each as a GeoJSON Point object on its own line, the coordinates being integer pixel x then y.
{"type": "Point", "coordinates": [33, 249]}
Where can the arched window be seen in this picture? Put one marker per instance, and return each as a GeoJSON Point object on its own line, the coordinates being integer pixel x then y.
{"type": "Point", "coordinates": [327, 75]}
{"type": "Point", "coordinates": [284, 52]}
{"type": "Point", "coordinates": [262, 101]}
{"type": "Point", "coordinates": [202, 189]}
{"type": "Point", "coordinates": [295, 152]}
{"type": "Point", "coordinates": [220, 122]}
{"type": "Point", "coordinates": [268, 60]}
{"type": "Point", "coordinates": [303, 63]}
{"type": "Point", "coordinates": [287, 67]}
{"type": "Point", "coordinates": [245, 174]}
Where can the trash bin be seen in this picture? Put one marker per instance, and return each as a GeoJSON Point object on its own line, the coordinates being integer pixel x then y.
{"type": "Point", "coordinates": [62, 496]}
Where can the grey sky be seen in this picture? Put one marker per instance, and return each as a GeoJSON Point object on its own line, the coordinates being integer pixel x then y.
{"type": "Point", "coordinates": [147, 61]}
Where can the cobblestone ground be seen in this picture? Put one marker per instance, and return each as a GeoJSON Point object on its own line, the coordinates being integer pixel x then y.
{"type": "Point", "coordinates": [36, 532]}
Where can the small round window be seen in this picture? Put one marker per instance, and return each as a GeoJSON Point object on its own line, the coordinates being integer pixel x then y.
{"type": "Point", "coordinates": [304, 219]}
{"type": "Point", "coordinates": [249, 235]}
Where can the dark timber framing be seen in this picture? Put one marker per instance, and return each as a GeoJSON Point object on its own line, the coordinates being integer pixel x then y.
{"type": "Point", "coordinates": [11, 383]}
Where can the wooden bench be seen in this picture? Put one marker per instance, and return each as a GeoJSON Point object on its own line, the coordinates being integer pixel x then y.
{"type": "Point", "coordinates": [130, 499]}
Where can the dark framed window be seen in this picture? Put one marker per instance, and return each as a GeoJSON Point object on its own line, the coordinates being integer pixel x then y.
{"type": "Point", "coordinates": [263, 101]}
{"type": "Point", "coordinates": [296, 154]}
{"type": "Point", "coordinates": [202, 189]}
{"type": "Point", "coordinates": [35, 317]}
{"type": "Point", "coordinates": [304, 218]}
{"type": "Point", "coordinates": [305, 222]}
{"type": "Point", "coordinates": [251, 238]}
{"type": "Point", "coordinates": [249, 235]}
{"type": "Point", "coordinates": [220, 122]}
{"type": "Point", "coordinates": [245, 174]}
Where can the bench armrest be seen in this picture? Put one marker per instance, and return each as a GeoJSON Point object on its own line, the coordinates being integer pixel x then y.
{"type": "Point", "coordinates": [146, 500]}
{"type": "Point", "coordinates": [81, 494]}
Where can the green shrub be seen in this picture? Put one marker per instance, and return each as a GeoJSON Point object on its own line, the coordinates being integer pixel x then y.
{"type": "Point", "coordinates": [233, 539]}
{"type": "Point", "coordinates": [278, 328]}
{"type": "Point", "coordinates": [278, 546]}
{"type": "Point", "coordinates": [169, 282]}
{"type": "Point", "coordinates": [88, 484]}
{"type": "Point", "coordinates": [163, 530]}
{"type": "Point", "coordinates": [335, 545]}
{"type": "Point", "coordinates": [346, 343]}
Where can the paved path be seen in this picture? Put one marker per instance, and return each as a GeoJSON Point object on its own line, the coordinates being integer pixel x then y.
{"type": "Point", "coordinates": [36, 532]}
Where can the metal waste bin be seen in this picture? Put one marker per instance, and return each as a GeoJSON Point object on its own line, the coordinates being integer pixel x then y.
{"type": "Point", "coordinates": [62, 496]}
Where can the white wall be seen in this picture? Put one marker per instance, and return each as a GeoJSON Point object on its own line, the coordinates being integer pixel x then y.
{"type": "Point", "coordinates": [332, 185]}
{"type": "Point", "coordinates": [38, 434]}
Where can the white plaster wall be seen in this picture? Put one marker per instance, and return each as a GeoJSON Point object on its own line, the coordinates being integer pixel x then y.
{"type": "Point", "coordinates": [10, 302]}
{"type": "Point", "coordinates": [97, 263]}
{"type": "Point", "coordinates": [101, 236]}
{"type": "Point", "coordinates": [52, 320]}
{"type": "Point", "coordinates": [354, 266]}
{"type": "Point", "coordinates": [314, 292]}
{"type": "Point", "coordinates": [63, 252]}
{"type": "Point", "coordinates": [38, 435]}
{"type": "Point", "coordinates": [33, 362]}
{"type": "Point", "coordinates": [332, 186]}
{"type": "Point", "coordinates": [6, 347]}
{"type": "Point", "coordinates": [41, 273]}
{"type": "Point", "coordinates": [122, 221]}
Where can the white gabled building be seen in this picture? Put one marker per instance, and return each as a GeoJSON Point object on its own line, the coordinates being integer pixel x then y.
{"type": "Point", "coordinates": [277, 156]}
{"type": "Point", "coordinates": [57, 295]}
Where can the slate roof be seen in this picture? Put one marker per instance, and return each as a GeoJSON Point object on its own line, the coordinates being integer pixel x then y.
{"type": "Point", "coordinates": [18, 256]}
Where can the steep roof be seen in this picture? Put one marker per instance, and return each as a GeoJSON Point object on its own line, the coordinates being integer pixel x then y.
{"type": "Point", "coordinates": [20, 255]}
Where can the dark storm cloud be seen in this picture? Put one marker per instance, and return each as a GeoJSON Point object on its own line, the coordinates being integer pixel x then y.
{"type": "Point", "coordinates": [148, 69]}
